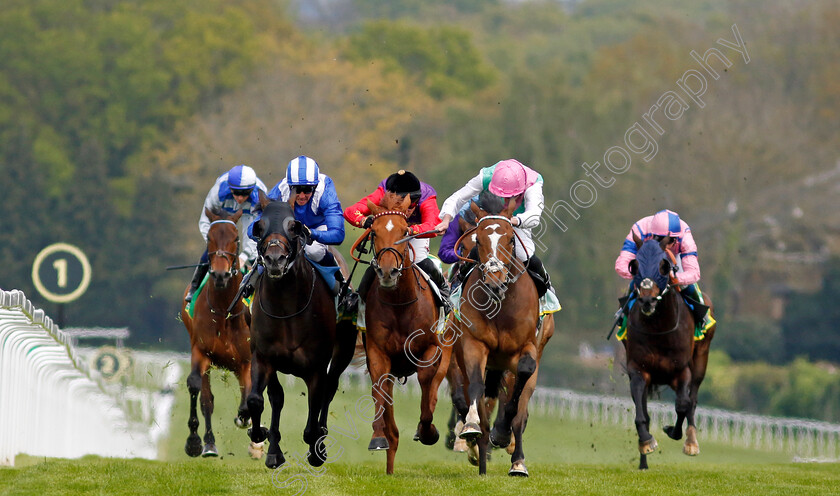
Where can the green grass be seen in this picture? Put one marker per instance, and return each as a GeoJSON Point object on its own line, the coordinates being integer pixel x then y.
{"type": "Point", "coordinates": [562, 456]}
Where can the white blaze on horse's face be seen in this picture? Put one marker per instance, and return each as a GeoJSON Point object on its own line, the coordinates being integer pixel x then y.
{"type": "Point", "coordinates": [494, 238]}
{"type": "Point", "coordinates": [389, 226]}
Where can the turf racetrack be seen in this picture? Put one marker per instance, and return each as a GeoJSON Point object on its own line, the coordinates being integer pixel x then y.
{"type": "Point", "coordinates": [563, 457]}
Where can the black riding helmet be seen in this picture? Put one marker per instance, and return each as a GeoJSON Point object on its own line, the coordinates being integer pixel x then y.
{"type": "Point", "coordinates": [404, 183]}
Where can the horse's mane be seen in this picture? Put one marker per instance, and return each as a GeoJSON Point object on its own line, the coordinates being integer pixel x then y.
{"type": "Point", "coordinates": [490, 203]}
{"type": "Point", "coordinates": [392, 201]}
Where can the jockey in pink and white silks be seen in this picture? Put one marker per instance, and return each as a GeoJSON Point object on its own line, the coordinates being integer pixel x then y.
{"type": "Point", "coordinates": [658, 226]}
{"type": "Point", "coordinates": [508, 179]}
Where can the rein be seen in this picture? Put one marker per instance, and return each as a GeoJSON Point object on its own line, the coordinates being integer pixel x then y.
{"type": "Point", "coordinates": [280, 317]}
{"type": "Point", "coordinates": [233, 258]}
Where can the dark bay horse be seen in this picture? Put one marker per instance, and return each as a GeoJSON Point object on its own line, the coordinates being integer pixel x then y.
{"type": "Point", "coordinates": [660, 345]}
{"type": "Point", "coordinates": [498, 332]}
{"type": "Point", "coordinates": [401, 338]}
{"type": "Point", "coordinates": [293, 331]}
{"type": "Point", "coordinates": [216, 336]}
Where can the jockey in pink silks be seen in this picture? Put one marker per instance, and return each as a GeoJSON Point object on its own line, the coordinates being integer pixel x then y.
{"type": "Point", "coordinates": [508, 179]}
{"type": "Point", "coordinates": [660, 225]}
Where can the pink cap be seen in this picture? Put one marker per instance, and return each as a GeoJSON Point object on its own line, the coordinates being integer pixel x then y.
{"type": "Point", "coordinates": [509, 179]}
{"type": "Point", "coordinates": [665, 223]}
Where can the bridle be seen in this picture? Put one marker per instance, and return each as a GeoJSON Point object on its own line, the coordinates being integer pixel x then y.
{"type": "Point", "coordinates": [374, 262]}
{"type": "Point", "coordinates": [294, 255]}
{"type": "Point", "coordinates": [647, 284]}
{"type": "Point", "coordinates": [233, 259]}
{"type": "Point", "coordinates": [494, 264]}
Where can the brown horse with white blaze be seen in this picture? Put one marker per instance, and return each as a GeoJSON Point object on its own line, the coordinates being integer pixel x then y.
{"type": "Point", "coordinates": [660, 346]}
{"type": "Point", "coordinates": [401, 337]}
{"type": "Point", "coordinates": [499, 317]}
{"type": "Point", "coordinates": [217, 337]}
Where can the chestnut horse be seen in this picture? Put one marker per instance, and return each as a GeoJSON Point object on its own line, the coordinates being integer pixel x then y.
{"type": "Point", "coordinates": [660, 345]}
{"type": "Point", "coordinates": [217, 337]}
{"type": "Point", "coordinates": [498, 331]}
{"type": "Point", "coordinates": [293, 331]}
{"type": "Point", "coordinates": [400, 339]}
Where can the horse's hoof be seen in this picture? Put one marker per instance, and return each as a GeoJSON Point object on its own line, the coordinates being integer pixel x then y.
{"type": "Point", "coordinates": [518, 469]}
{"type": "Point", "coordinates": [242, 423]}
{"type": "Point", "coordinates": [255, 450]}
{"type": "Point", "coordinates": [416, 435]}
{"type": "Point", "coordinates": [430, 437]}
{"type": "Point", "coordinates": [378, 444]}
{"type": "Point", "coordinates": [262, 436]}
{"type": "Point", "coordinates": [471, 432]}
{"type": "Point", "coordinates": [673, 433]}
{"type": "Point", "coordinates": [209, 450]}
{"type": "Point", "coordinates": [274, 461]}
{"type": "Point", "coordinates": [648, 447]}
{"type": "Point", "coordinates": [318, 458]}
{"type": "Point", "coordinates": [499, 439]}
{"type": "Point", "coordinates": [193, 446]}
{"type": "Point", "coordinates": [472, 454]}
{"type": "Point", "coordinates": [691, 449]}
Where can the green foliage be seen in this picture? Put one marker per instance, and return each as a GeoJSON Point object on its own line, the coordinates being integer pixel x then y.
{"type": "Point", "coordinates": [810, 325]}
{"type": "Point", "coordinates": [442, 60]}
{"type": "Point", "coordinates": [747, 339]}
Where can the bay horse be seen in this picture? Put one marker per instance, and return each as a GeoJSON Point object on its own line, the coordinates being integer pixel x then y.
{"type": "Point", "coordinates": [217, 337]}
{"type": "Point", "coordinates": [401, 339]}
{"type": "Point", "coordinates": [660, 345]}
{"type": "Point", "coordinates": [498, 332]}
{"type": "Point", "coordinates": [293, 331]}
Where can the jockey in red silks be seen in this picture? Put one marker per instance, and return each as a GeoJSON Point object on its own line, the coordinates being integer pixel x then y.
{"type": "Point", "coordinates": [422, 217]}
{"type": "Point", "coordinates": [658, 226]}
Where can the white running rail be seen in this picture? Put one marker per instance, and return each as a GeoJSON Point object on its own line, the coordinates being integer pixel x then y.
{"type": "Point", "coordinates": [51, 404]}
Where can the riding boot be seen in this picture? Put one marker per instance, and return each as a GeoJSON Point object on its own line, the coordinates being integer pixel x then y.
{"type": "Point", "coordinates": [701, 313]}
{"type": "Point", "coordinates": [539, 275]}
{"type": "Point", "coordinates": [434, 274]}
{"type": "Point", "coordinates": [246, 286]}
{"type": "Point", "coordinates": [364, 284]}
{"type": "Point", "coordinates": [198, 276]}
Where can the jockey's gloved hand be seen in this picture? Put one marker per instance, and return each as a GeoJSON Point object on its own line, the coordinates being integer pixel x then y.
{"type": "Point", "coordinates": [368, 222]}
{"type": "Point", "coordinates": [243, 261]}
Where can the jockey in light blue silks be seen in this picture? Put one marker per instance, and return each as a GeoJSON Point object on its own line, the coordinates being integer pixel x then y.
{"type": "Point", "coordinates": [315, 204]}
{"type": "Point", "coordinates": [235, 189]}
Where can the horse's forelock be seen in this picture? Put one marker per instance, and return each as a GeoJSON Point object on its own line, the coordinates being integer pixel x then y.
{"type": "Point", "coordinates": [490, 203]}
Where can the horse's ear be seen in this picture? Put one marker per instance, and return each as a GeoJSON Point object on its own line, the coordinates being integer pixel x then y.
{"type": "Point", "coordinates": [264, 199]}
{"type": "Point", "coordinates": [405, 203]}
{"type": "Point", "coordinates": [289, 226]}
{"type": "Point", "coordinates": [477, 210]}
{"type": "Point", "coordinates": [463, 224]}
{"type": "Point", "coordinates": [259, 228]}
{"type": "Point", "coordinates": [664, 267]}
{"type": "Point", "coordinates": [637, 240]}
{"type": "Point", "coordinates": [633, 267]}
{"type": "Point", "coordinates": [235, 217]}
{"type": "Point", "coordinates": [213, 216]}
{"type": "Point", "coordinates": [511, 206]}
{"type": "Point", "coordinates": [374, 208]}
{"type": "Point", "coordinates": [665, 242]}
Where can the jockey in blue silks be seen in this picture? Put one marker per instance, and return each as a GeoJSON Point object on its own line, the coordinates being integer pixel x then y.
{"type": "Point", "coordinates": [315, 204]}
{"type": "Point", "coordinates": [235, 189]}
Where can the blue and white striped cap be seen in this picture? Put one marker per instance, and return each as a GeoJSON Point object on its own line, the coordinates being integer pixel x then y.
{"type": "Point", "coordinates": [242, 177]}
{"type": "Point", "coordinates": [302, 171]}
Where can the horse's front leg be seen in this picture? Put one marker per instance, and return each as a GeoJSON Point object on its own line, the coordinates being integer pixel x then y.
{"type": "Point", "coordinates": [260, 372]}
{"type": "Point", "coordinates": [276, 397]}
{"type": "Point", "coordinates": [207, 411]}
{"type": "Point", "coordinates": [199, 368]}
{"type": "Point", "coordinates": [476, 426]}
{"type": "Point", "coordinates": [385, 435]}
{"type": "Point", "coordinates": [243, 418]}
{"type": "Point", "coordinates": [639, 382]}
{"type": "Point", "coordinates": [430, 378]}
{"type": "Point", "coordinates": [682, 404]}
{"type": "Point", "coordinates": [314, 430]}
